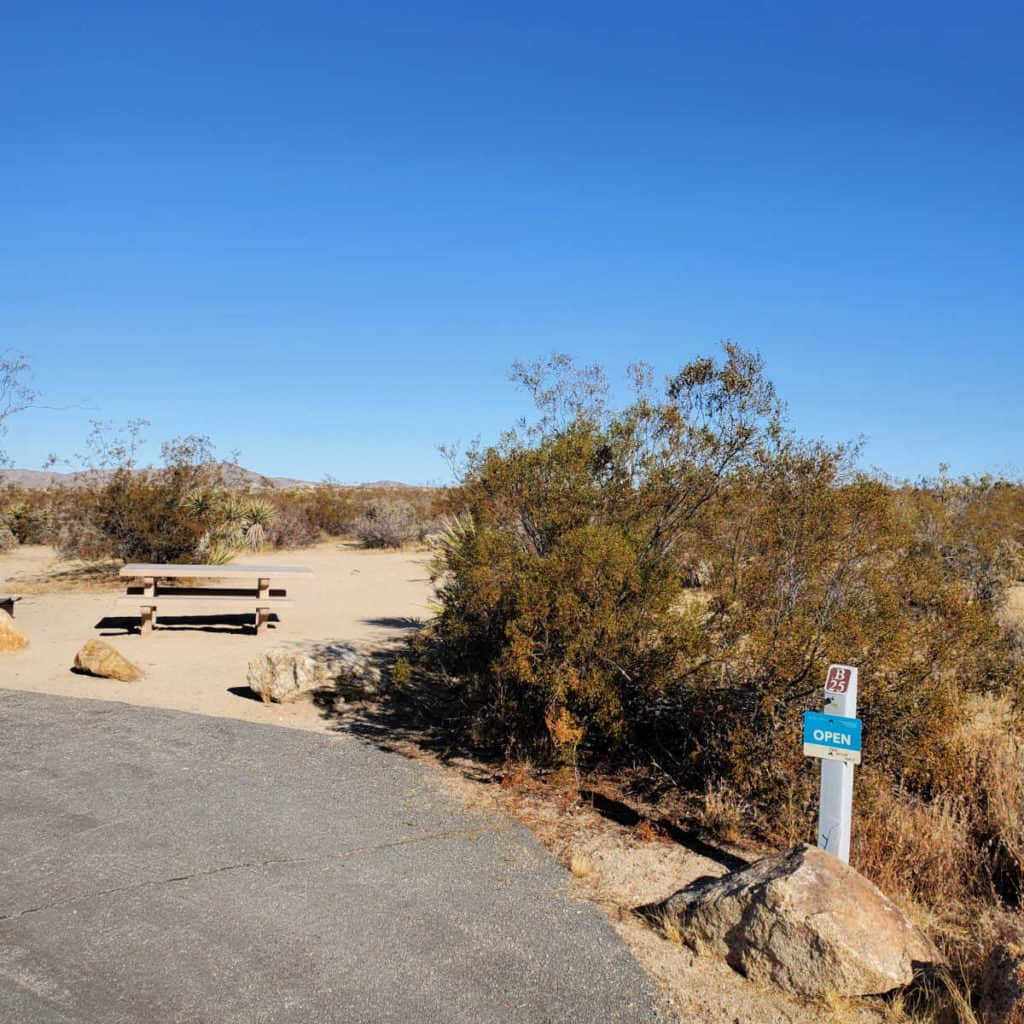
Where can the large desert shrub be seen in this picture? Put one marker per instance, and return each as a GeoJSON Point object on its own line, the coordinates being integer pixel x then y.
{"type": "Point", "coordinates": [811, 563]}
{"type": "Point", "coordinates": [565, 599]}
{"type": "Point", "coordinates": [165, 514]}
{"type": "Point", "coordinates": [565, 602]}
{"type": "Point", "coordinates": [143, 518]}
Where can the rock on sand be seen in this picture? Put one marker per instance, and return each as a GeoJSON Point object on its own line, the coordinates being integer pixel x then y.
{"type": "Point", "coordinates": [805, 922]}
{"type": "Point", "coordinates": [100, 659]}
{"type": "Point", "coordinates": [11, 637]}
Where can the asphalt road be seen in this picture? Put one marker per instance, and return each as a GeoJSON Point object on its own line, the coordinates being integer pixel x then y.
{"type": "Point", "coordinates": [161, 867]}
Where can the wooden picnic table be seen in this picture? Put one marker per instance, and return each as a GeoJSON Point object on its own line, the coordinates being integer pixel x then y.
{"type": "Point", "coordinates": [252, 588]}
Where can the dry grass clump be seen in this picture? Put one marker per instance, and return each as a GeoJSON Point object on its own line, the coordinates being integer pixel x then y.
{"type": "Point", "coordinates": [580, 866]}
{"type": "Point", "coordinates": [723, 812]}
{"type": "Point", "coordinates": [668, 927]}
{"type": "Point", "coordinates": [954, 860]}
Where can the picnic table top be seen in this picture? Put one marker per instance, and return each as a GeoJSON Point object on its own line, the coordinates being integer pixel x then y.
{"type": "Point", "coordinates": [141, 569]}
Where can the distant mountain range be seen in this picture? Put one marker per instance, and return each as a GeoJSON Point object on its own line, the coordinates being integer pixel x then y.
{"type": "Point", "coordinates": [236, 476]}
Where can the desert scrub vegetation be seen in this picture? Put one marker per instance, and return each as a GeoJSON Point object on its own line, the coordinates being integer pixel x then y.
{"type": "Point", "coordinates": [8, 540]}
{"type": "Point", "coordinates": [168, 513]}
{"type": "Point", "coordinates": [388, 523]}
{"type": "Point", "coordinates": [665, 583]}
{"type": "Point", "coordinates": [195, 508]}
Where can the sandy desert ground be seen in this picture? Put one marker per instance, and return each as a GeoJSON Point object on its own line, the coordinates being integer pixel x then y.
{"type": "Point", "coordinates": [364, 598]}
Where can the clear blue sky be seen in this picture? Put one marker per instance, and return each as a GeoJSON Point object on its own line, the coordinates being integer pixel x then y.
{"type": "Point", "coordinates": [321, 232]}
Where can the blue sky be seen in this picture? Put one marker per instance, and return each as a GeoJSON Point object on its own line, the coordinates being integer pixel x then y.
{"type": "Point", "coordinates": [321, 232]}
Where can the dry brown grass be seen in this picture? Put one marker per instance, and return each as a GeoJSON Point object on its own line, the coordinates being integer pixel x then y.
{"type": "Point", "coordinates": [722, 812]}
{"type": "Point", "coordinates": [580, 866]}
{"type": "Point", "coordinates": [668, 926]}
{"type": "Point", "coordinates": [955, 862]}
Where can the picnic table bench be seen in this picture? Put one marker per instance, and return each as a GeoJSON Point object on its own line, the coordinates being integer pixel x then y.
{"type": "Point", "coordinates": [252, 588]}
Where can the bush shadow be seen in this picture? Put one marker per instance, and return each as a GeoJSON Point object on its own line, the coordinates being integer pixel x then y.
{"type": "Point", "coordinates": [429, 715]}
{"type": "Point", "coordinates": [401, 623]}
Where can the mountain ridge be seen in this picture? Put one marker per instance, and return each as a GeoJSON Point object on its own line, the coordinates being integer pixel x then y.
{"type": "Point", "coordinates": [236, 476]}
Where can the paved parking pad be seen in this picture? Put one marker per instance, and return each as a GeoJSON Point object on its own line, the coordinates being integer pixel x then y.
{"type": "Point", "coordinates": [159, 867]}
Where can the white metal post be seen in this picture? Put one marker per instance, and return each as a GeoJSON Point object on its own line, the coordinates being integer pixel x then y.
{"type": "Point", "coordinates": [835, 811]}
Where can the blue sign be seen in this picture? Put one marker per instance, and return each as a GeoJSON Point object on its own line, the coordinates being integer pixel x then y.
{"type": "Point", "coordinates": [832, 737]}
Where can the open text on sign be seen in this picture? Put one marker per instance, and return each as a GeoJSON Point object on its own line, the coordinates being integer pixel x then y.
{"type": "Point", "coordinates": [832, 737]}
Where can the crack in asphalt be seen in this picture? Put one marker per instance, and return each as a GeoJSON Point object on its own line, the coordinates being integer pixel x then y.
{"type": "Point", "coordinates": [463, 833]}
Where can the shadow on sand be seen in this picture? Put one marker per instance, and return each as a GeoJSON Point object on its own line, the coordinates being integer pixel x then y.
{"type": "Point", "coordinates": [240, 624]}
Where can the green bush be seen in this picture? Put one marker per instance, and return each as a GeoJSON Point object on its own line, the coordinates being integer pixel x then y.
{"type": "Point", "coordinates": [565, 600]}
{"type": "Point", "coordinates": [566, 610]}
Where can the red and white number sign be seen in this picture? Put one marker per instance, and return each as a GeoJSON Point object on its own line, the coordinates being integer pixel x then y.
{"type": "Point", "coordinates": [837, 680]}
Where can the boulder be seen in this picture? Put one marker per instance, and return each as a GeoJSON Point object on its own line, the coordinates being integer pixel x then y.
{"type": "Point", "coordinates": [1001, 991]}
{"type": "Point", "coordinates": [285, 674]}
{"type": "Point", "coordinates": [11, 637]}
{"type": "Point", "coordinates": [100, 659]}
{"type": "Point", "coordinates": [803, 921]}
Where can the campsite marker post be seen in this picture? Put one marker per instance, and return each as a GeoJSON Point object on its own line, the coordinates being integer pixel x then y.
{"type": "Point", "coordinates": [834, 736]}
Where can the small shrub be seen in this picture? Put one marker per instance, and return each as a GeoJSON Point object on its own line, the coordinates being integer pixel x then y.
{"type": "Point", "coordinates": [388, 523]}
{"type": "Point", "coordinates": [30, 519]}
{"type": "Point", "coordinates": [293, 527]}
{"type": "Point", "coordinates": [401, 673]}
{"type": "Point", "coordinates": [256, 520]}
{"type": "Point", "coordinates": [8, 541]}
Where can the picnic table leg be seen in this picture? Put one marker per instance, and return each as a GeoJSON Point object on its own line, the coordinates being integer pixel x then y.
{"type": "Point", "coordinates": [262, 594]}
{"type": "Point", "coordinates": [148, 613]}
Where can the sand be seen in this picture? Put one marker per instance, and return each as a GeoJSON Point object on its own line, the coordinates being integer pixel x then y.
{"type": "Point", "coordinates": [365, 598]}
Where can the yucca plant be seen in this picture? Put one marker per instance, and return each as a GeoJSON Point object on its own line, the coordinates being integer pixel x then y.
{"type": "Point", "coordinates": [257, 518]}
{"type": "Point", "coordinates": [200, 505]}
{"type": "Point", "coordinates": [220, 554]}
